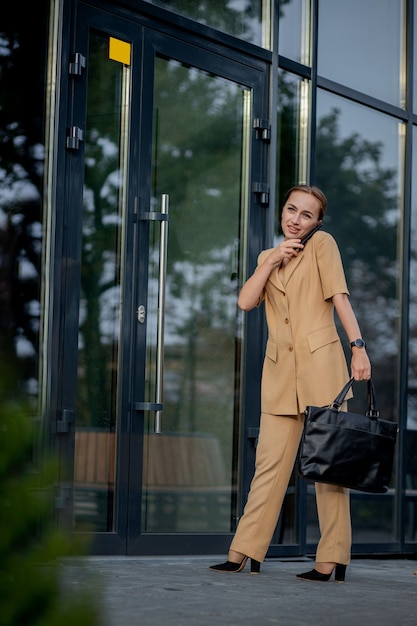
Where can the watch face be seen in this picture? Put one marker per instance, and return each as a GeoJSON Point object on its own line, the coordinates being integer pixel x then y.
{"type": "Point", "coordinates": [359, 343]}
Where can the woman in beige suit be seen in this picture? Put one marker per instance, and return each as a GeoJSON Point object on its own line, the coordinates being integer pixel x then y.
{"type": "Point", "coordinates": [304, 364]}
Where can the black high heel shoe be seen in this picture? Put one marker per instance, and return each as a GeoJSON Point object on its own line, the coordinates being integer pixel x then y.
{"type": "Point", "coordinates": [339, 574]}
{"type": "Point", "coordinates": [234, 568]}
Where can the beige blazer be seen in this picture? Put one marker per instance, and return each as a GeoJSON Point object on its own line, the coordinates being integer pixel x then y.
{"type": "Point", "coordinates": [304, 360]}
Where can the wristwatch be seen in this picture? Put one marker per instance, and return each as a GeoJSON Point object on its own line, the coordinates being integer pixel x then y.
{"type": "Point", "coordinates": [358, 343]}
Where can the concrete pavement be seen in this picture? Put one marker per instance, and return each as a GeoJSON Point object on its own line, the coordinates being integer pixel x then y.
{"type": "Point", "coordinates": [182, 591]}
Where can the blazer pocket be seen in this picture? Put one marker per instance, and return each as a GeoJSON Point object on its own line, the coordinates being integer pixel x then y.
{"type": "Point", "coordinates": [322, 337]}
{"type": "Point", "coordinates": [271, 350]}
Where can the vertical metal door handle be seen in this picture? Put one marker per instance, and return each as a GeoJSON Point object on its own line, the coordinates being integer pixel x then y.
{"type": "Point", "coordinates": [163, 247]}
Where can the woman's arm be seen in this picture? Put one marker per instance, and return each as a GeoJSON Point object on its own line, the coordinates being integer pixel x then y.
{"type": "Point", "coordinates": [360, 364]}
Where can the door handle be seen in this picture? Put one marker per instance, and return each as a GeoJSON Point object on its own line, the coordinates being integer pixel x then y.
{"type": "Point", "coordinates": [163, 248]}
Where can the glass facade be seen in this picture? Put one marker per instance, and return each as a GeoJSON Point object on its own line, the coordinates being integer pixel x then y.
{"type": "Point", "coordinates": [294, 30]}
{"type": "Point", "coordinates": [359, 161]}
{"type": "Point", "coordinates": [341, 114]}
{"type": "Point", "coordinates": [357, 153]}
{"type": "Point", "coordinates": [247, 19]}
{"type": "Point", "coordinates": [202, 330]}
{"type": "Point", "coordinates": [366, 53]}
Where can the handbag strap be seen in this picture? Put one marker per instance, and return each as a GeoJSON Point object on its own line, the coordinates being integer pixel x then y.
{"type": "Point", "coordinates": [372, 408]}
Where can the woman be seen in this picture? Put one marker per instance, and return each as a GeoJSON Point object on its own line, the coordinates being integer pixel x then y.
{"type": "Point", "coordinates": [304, 365]}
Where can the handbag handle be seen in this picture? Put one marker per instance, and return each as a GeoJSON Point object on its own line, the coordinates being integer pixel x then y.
{"type": "Point", "coordinates": [372, 409]}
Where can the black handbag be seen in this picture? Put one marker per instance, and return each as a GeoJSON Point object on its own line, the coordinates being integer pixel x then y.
{"type": "Point", "coordinates": [348, 449]}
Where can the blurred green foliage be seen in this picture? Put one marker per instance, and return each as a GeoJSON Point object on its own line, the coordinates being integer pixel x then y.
{"type": "Point", "coordinates": [32, 548]}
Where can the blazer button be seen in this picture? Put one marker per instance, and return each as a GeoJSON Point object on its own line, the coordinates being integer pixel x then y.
{"type": "Point", "coordinates": [290, 348]}
{"type": "Point", "coordinates": [287, 321]}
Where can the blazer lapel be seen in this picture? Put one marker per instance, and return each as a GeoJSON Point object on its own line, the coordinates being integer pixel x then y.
{"type": "Point", "coordinates": [292, 265]}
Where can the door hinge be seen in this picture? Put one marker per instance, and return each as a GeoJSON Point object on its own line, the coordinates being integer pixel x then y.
{"type": "Point", "coordinates": [63, 497]}
{"type": "Point", "coordinates": [63, 424]}
{"type": "Point", "coordinates": [252, 432]}
{"type": "Point", "coordinates": [78, 64]}
{"type": "Point", "coordinates": [262, 190]}
{"type": "Point", "coordinates": [74, 136]}
{"type": "Point", "coordinates": [263, 129]}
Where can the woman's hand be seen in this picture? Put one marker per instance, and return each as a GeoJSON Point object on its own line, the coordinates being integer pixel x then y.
{"type": "Point", "coordinates": [286, 250]}
{"type": "Point", "coordinates": [252, 290]}
{"type": "Point", "coordinates": [360, 365]}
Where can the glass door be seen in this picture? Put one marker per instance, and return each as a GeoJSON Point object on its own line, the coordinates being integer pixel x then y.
{"type": "Point", "coordinates": [162, 157]}
{"type": "Point", "coordinates": [199, 172]}
{"type": "Point", "coordinates": [188, 402]}
{"type": "Point", "coordinates": [104, 284]}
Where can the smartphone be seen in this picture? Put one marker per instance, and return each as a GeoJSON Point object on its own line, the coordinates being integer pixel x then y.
{"type": "Point", "coordinates": [310, 234]}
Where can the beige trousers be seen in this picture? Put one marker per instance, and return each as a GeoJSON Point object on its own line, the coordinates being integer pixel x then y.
{"type": "Point", "coordinates": [279, 438]}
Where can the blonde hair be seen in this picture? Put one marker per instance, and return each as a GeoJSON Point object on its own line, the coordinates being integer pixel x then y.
{"type": "Point", "coordinates": [314, 191]}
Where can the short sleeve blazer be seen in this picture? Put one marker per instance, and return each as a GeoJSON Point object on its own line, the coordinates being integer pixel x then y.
{"type": "Point", "coordinates": [304, 360]}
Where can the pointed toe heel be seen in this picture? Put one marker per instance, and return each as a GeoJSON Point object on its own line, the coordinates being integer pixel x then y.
{"type": "Point", "coordinates": [339, 574]}
{"type": "Point", "coordinates": [234, 568]}
{"type": "Point", "coordinates": [230, 566]}
{"type": "Point", "coordinates": [314, 575]}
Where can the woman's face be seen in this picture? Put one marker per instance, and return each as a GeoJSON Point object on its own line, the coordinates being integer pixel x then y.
{"type": "Point", "coordinates": [301, 213]}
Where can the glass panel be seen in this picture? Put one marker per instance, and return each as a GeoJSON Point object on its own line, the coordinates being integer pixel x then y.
{"type": "Point", "coordinates": [22, 182]}
{"type": "Point", "coordinates": [292, 161]}
{"type": "Point", "coordinates": [361, 45]}
{"type": "Point", "coordinates": [201, 124]}
{"type": "Point", "coordinates": [410, 435]}
{"type": "Point", "coordinates": [293, 134]}
{"type": "Point", "coordinates": [246, 19]}
{"type": "Point", "coordinates": [415, 61]}
{"type": "Point", "coordinates": [359, 166]}
{"type": "Point", "coordinates": [101, 287]}
{"type": "Point", "coordinates": [294, 30]}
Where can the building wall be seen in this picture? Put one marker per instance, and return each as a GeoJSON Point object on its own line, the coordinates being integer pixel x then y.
{"type": "Point", "coordinates": [342, 115]}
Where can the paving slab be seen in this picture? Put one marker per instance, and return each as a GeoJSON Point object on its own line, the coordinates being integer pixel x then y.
{"type": "Point", "coordinates": [183, 591]}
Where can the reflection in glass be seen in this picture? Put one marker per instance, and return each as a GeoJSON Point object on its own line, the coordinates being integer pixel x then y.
{"type": "Point", "coordinates": [101, 287]}
{"type": "Point", "coordinates": [411, 432]}
{"type": "Point", "coordinates": [358, 165]}
{"type": "Point", "coordinates": [293, 134]}
{"type": "Point", "coordinates": [246, 19]}
{"type": "Point", "coordinates": [292, 166]}
{"type": "Point", "coordinates": [415, 63]}
{"type": "Point", "coordinates": [294, 30]}
{"type": "Point", "coordinates": [365, 53]}
{"type": "Point", "coordinates": [190, 471]}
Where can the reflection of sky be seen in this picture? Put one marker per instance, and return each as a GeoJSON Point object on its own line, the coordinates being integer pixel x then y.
{"type": "Point", "coordinates": [291, 30]}
{"type": "Point", "coordinates": [359, 45]}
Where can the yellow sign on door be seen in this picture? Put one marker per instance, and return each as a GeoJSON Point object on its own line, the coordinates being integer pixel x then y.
{"type": "Point", "coordinates": [119, 50]}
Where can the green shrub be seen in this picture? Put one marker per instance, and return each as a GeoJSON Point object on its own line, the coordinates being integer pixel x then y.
{"type": "Point", "coordinates": [32, 548]}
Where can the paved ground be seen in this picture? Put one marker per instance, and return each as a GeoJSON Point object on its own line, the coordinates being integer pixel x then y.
{"type": "Point", "coordinates": [182, 591]}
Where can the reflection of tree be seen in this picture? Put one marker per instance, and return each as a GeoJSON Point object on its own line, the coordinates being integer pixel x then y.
{"type": "Point", "coordinates": [22, 63]}
{"type": "Point", "coordinates": [198, 161]}
{"type": "Point", "coordinates": [198, 132]}
{"type": "Point", "coordinates": [100, 297]}
{"type": "Point", "coordinates": [236, 17]}
{"type": "Point", "coordinates": [363, 217]}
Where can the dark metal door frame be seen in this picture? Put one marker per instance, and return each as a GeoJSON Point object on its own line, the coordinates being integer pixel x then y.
{"type": "Point", "coordinates": [147, 42]}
